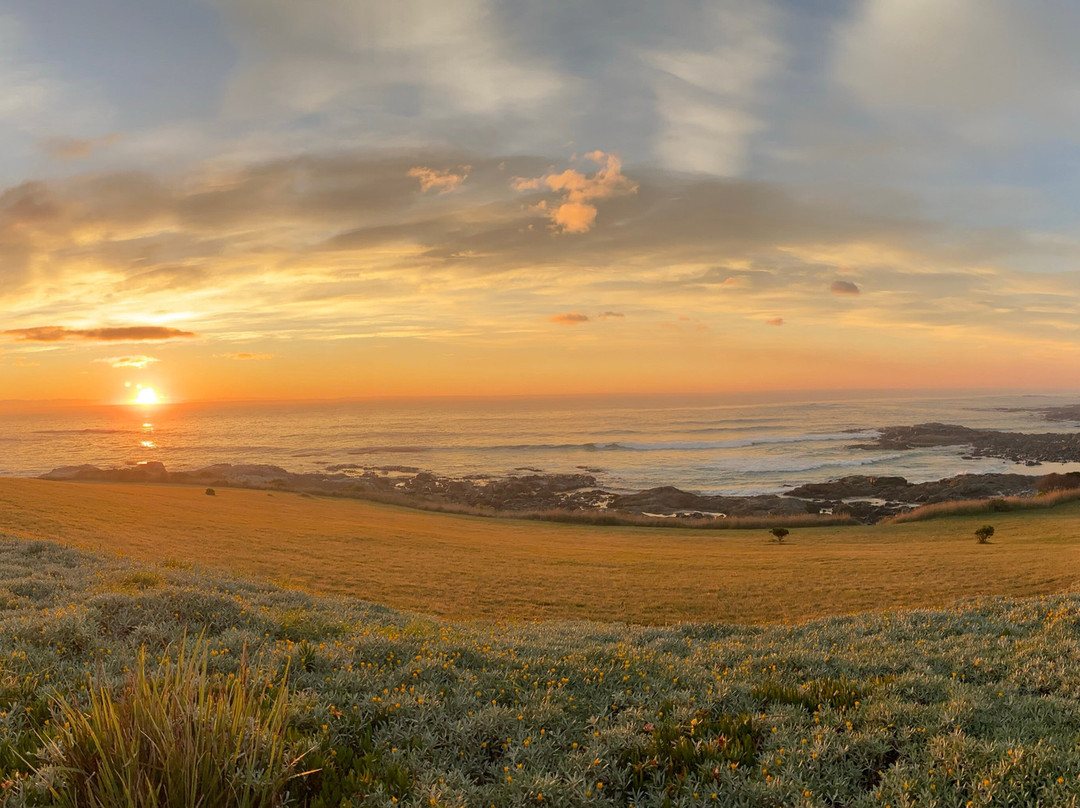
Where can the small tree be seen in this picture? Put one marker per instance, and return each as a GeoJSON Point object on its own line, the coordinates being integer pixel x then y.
{"type": "Point", "coordinates": [779, 533]}
{"type": "Point", "coordinates": [984, 533]}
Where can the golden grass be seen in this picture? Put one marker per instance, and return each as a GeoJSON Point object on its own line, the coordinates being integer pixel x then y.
{"type": "Point", "coordinates": [996, 505]}
{"type": "Point", "coordinates": [465, 567]}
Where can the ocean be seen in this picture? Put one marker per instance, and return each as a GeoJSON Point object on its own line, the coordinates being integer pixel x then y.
{"type": "Point", "coordinates": [707, 444]}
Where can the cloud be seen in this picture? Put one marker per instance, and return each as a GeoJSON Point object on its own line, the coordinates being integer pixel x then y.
{"type": "Point", "coordinates": [137, 333]}
{"type": "Point", "coordinates": [569, 318]}
{"type": "Point", "coordinates": [989, 72]}
{"type": "Point", "coordinates": [139, 361]}
{"type": "Point", "coordinates": [707, 88]}
{"type": "Point", "coordinates": [388, 62]}
{"type": "Point", "coordinates": [320, 246]}
{"type": "Point", "coordinates": [775, 321]}
{"type": "Point", "coordinates": [246, 357]}
{"type": "Point", "coordinates": [843, 288]}
{"type": "Point", "coordinates": [576, 213]}
{"type": "Point", "coordinates": [609, 314]}
{"type": "Point", "coordinates": [70, 148]}
{"type": "Point", "coordinates": [441, 181]}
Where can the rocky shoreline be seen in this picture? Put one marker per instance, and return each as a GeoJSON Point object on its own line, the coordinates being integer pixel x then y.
{"type": "Point", "coordinates": [1031, 449]}
{"type": "Point", "coordinates": [861, 498]}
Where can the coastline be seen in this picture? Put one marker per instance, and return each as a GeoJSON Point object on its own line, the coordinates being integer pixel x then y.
{"type": "Point", "coordinates": [860, 498]}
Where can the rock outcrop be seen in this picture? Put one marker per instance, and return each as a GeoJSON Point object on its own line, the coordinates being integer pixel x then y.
{"type": "Point", "coordinates": [1020, 447]}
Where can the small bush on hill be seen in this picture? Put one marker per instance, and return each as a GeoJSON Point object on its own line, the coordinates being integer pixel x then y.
{"type": "Point", "coordinates": [984, 533]}
{"type": "Point", "coordinates": [779, 534]}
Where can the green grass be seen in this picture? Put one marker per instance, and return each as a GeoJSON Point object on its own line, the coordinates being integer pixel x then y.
{"type": "Point", "coordinates": [101, 680]}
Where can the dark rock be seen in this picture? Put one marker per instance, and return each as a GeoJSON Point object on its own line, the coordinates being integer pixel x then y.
{"type": "Point", "coordinates": [668, 500]}
{"type": "Point", "coordinates": [1020, 447]}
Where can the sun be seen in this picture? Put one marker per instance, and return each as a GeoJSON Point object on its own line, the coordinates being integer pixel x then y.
{"type": "Point", "coordinates": [146, 395]}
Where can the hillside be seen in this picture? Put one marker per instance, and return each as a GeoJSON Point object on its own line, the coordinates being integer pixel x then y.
{"type": "Point", "coordinates": [970, 705]}
{"type": "Point", "coordinates": [462, 567]}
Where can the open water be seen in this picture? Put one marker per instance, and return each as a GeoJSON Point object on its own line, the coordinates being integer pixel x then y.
{"type": "Point", "coordinates": [708, 444]}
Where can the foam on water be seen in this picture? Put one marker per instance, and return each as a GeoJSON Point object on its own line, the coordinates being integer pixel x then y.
{"type": "Point", "coordinates": [700, 443]}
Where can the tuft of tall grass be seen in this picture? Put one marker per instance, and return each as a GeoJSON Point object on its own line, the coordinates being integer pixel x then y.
{"type": "Point", "coordinates": [172, 737]}
{"type": "Point", "coordinates": [965, 507]}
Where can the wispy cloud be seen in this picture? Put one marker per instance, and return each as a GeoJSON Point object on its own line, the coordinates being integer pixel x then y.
{"type": "Point", "coordinates": [775, 321]}
{"type": "Point", "coordinates": [245, 357]}
{"type": "Point", "coordinates": [442, 181]}
{"type": "Point", "coordinates": [843, 288]}
{"type": "Point", "coordinates": [139, 361]}
{"type": "Point", "coordinates": [73, 148]}
{"type": "Point", "coordinates": [136, 333]}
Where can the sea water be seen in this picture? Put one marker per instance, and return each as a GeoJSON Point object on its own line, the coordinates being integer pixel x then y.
{"type": "Point", "coordinates": [709, 444]}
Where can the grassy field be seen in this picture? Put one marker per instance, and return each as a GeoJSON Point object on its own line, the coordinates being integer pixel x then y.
{"type": "Point", "coordinates": [972, 706]}
{"type": "Point", "coordinates": [462, 567]}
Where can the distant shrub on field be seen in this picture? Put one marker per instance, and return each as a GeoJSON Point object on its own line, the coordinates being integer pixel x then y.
{"type": "Point", "coordinates": [984, 533]}
{"type": "Point", "coordinates": [779, 534]}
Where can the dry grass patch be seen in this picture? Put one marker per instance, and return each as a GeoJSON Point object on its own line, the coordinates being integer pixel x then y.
{"type": "Point", "coordinates": [464, 567]}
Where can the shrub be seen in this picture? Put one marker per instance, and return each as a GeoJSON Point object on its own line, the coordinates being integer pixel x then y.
{"type": "Point", "coordinates": [1058, 482]}
{"type": "Point", "coordinates": [779, 534]}
{"type": "Point", "coordinates": [171, 737]}
{"type": "Point", "coordinates": [984, 533]}
{"type": "Point", "coordinates": [210, 492]}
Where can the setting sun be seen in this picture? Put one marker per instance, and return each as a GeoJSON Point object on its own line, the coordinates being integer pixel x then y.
{"type": "Point", "coordinates": [147, 395]}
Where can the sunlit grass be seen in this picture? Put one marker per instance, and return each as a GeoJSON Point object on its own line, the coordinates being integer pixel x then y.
{"type": "Point", "coordinates": [466, 567]}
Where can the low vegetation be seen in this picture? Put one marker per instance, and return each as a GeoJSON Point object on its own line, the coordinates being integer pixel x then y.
{"type": "Point", "coordinates": [779, 534]}
{"type": "Point", "coordinates": [965, 507]}
{"type": "Point", "coordinates": [128, 678]}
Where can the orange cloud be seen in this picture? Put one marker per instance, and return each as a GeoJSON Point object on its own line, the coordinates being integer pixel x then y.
{"type": "Point", "coordinates": [844, 288]}
{"type": "Point", "coordinates": [242, 357]}
{"type": "Point", "coordinates": [576, 213]}
{"type": "Point", "coordinates": [608, 314]}
{"type": "Point", "coordinates": [527, 184]}
{"type": "Point", "coordinates": [432, 179]}
{"type": "Point", "coordinates": [135, 333]}
{"type": "Point", "coordinates": [775, 321]}
{"type": "Point", "coordinates": [139, 361]}
{"type": "Point", "coordinates": [570, 318]}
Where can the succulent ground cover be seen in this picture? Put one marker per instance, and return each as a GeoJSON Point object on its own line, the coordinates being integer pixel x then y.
{"type": "Point", "coordinates": [334, 702]}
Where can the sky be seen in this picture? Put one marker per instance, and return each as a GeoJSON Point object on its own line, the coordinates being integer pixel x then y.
{"type": "Point", "coordinates": [237, 199]}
